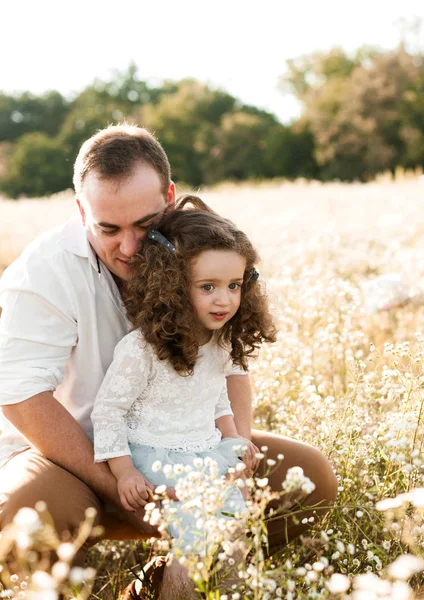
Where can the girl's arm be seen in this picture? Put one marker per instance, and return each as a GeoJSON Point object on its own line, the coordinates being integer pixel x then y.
{"type": "Point", "coordinates": [240, 393]}
{"type": "Point", "coordinates": [227, 426]}
{"type": "Point", "coordinates": [225, 422]}
{"type": "Point", "coordinates": [135, 491]}
{"type": "Point", "coordinates": [125, 380]}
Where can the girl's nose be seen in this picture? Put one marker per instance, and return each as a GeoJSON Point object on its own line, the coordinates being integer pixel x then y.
{"type": "Point", "coordinates": [223, 297]}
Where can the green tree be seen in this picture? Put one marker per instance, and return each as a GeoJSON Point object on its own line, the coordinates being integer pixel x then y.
{"type": "Point", "coordinates": [356, 110]}
{"type": "Point", "coordinates": [239, 149]}
{"type": "Point", "coordinates": [83, 121]}
{"type": "Point", "coordinates": [38, 166]}
{"type": "Point", "coordinates": [412, 129]}
{"type": "Point", "coordinates": [290, 153]}
{"type": "Point", "coordinates": [26, 112]}
{"type": "Point", "coordinates": [186, 123]}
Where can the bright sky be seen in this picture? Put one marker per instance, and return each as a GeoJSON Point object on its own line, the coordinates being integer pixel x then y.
{"type": "Point", "coordinates": [239, 45]}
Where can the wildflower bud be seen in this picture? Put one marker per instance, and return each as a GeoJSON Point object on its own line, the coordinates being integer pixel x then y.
{"type": "Point", "coordinates": [28, 521]}
{"type": "Point", "coordinates": [60, 570]}
{"type": "Point", "coordinates": [89, 573]}
{"type": "Point", "coordinates": [338, 583]}
{"type": "Point", "coordinates": [43, 581]}
{"type": "Point", "coordinates": [405, 566]}
{"type": "Point", "coordinates": [91, 512]}
{"type": "Point", "coordinates": [66, 551]}
{"type": "Point", "coordinates": [262, 482]}
{"type": "Point", "coordinates": [76, 576]}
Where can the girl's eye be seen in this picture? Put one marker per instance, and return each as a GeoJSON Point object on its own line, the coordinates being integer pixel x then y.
{"type": "Point", "coordinates": [208, 287]}
{"type": "Point", "coordinates": [234, 286]}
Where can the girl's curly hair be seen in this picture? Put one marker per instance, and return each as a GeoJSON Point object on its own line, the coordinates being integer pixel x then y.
{"type": "Point", "coordinates": [157, 297]}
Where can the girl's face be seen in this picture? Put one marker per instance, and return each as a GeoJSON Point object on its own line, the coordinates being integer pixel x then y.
{"type": "Point", "coordinates": [215, 291]}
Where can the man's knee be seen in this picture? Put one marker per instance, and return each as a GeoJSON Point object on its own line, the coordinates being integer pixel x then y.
{"type": "Point", "coordinates": [29, 478]}
{"type": "Point", "coordinates": [322, 474]}
{"type": "Point", "coordinates": [314, 463]}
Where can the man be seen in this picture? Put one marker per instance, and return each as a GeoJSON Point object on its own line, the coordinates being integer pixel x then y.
{"type": "Point", "coordinates": [62, 317]}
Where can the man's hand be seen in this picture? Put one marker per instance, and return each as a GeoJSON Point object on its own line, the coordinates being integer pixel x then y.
{"type": "Point", "coordinates": [135, 491]}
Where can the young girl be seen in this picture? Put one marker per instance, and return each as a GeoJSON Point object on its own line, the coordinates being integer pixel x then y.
{"type": "Point", "coordinates": [198, 312]}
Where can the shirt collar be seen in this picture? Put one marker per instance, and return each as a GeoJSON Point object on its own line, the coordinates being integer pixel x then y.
{"type": "Point", "coordinates": [75, 240]}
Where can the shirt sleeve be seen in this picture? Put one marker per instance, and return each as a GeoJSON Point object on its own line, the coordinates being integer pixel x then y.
{"type": "Point", "coordinates": [124, 381]}
{"type": "Point", "coordinates": [223, 406]}
{"type": "Point", "coordinates": [236, 370]}
{"type": "Point", "coordinates": [38, 330]}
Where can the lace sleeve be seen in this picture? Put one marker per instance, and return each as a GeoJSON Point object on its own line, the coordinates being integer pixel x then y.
{"type": "Point", "coordinates": [125, 380]}
{"type": "Point", "coordinates": [223, 406]}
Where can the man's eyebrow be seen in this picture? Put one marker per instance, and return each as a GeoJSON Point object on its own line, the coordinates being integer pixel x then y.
{"type": "Point", "coordinates": [139, 222]}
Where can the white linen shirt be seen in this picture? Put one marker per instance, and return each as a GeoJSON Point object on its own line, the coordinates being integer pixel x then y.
{"type": "Point", "coordinates": [60, 323]}
{"type": "Point", "coordinates": [62, 318]}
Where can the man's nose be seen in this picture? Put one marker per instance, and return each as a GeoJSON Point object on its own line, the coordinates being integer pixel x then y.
{"type": "Point", "coordinates": [130, 243]}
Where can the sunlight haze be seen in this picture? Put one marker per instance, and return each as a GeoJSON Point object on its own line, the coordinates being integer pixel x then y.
{"type": "Point", "coordinates": [240, 46]}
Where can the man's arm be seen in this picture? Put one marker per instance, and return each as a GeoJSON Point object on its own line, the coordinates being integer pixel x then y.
{"type": "Point", "coordinates": [240, 394]}
{"type": "Point", "coordinates": [53, 431]}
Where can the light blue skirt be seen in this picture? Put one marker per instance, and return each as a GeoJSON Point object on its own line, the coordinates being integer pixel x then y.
{"type": "Point", "coordinates": [188, 538]}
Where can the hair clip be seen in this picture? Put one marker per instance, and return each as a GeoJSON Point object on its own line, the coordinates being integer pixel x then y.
{"type": "Point", "coordinates": [157, 237]}
{"type": "Point", "coordinates": [254, 275]}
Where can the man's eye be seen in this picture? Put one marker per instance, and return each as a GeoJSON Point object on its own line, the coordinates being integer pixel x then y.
{"type": "Point", "coordinates": [234, 286]}
{"type": "Point", "coordinates": [208, 287]}
{"type": "Point", "coordinates": [108, 231]}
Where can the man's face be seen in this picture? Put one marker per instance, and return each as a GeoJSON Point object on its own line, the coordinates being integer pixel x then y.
{"type": "Point", "coordinates": [118, 212]}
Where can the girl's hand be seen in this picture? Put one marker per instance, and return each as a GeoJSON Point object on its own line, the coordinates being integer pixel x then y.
{"type": "Point", "coordinates": [135, 491]}
{"type": "Point", "coordinates": [249, 458]}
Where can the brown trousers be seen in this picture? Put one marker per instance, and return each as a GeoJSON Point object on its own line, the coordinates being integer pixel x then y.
{"type": "Point", "coordinates": [29, 477]}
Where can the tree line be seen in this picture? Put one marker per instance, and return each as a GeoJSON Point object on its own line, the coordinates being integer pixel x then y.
{"type": "Point", "coordinates": [361, 115]}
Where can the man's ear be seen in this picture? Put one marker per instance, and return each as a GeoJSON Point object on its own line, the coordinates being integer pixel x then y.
{"type": "Point", "coordinates": [82, 211]}
{"type": "Point", "coordinates": [170, 199]}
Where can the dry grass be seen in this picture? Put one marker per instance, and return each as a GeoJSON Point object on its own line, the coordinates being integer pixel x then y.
{"type": "Point", "coordinates": [323, 381]}
{"type": "Point", "coordinates": [275, 215]}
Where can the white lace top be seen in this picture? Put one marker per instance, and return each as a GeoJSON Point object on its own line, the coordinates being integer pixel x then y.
{"type": "Point", "coordinates": [143, 400]}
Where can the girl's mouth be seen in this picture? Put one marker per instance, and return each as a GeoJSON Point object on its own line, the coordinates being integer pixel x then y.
{"type": "Point", "coordinates": [219, 316]}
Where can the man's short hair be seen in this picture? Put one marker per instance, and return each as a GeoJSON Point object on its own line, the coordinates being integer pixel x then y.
{"type": "Point", "coordinates": [114, 152]}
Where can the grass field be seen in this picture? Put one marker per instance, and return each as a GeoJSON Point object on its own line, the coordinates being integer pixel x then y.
{"type": "Point", "coordinates": [346, 380]}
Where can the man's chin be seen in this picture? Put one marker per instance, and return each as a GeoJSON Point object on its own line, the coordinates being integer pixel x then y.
{"type": "Point", "coordinates": [122, 271]}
